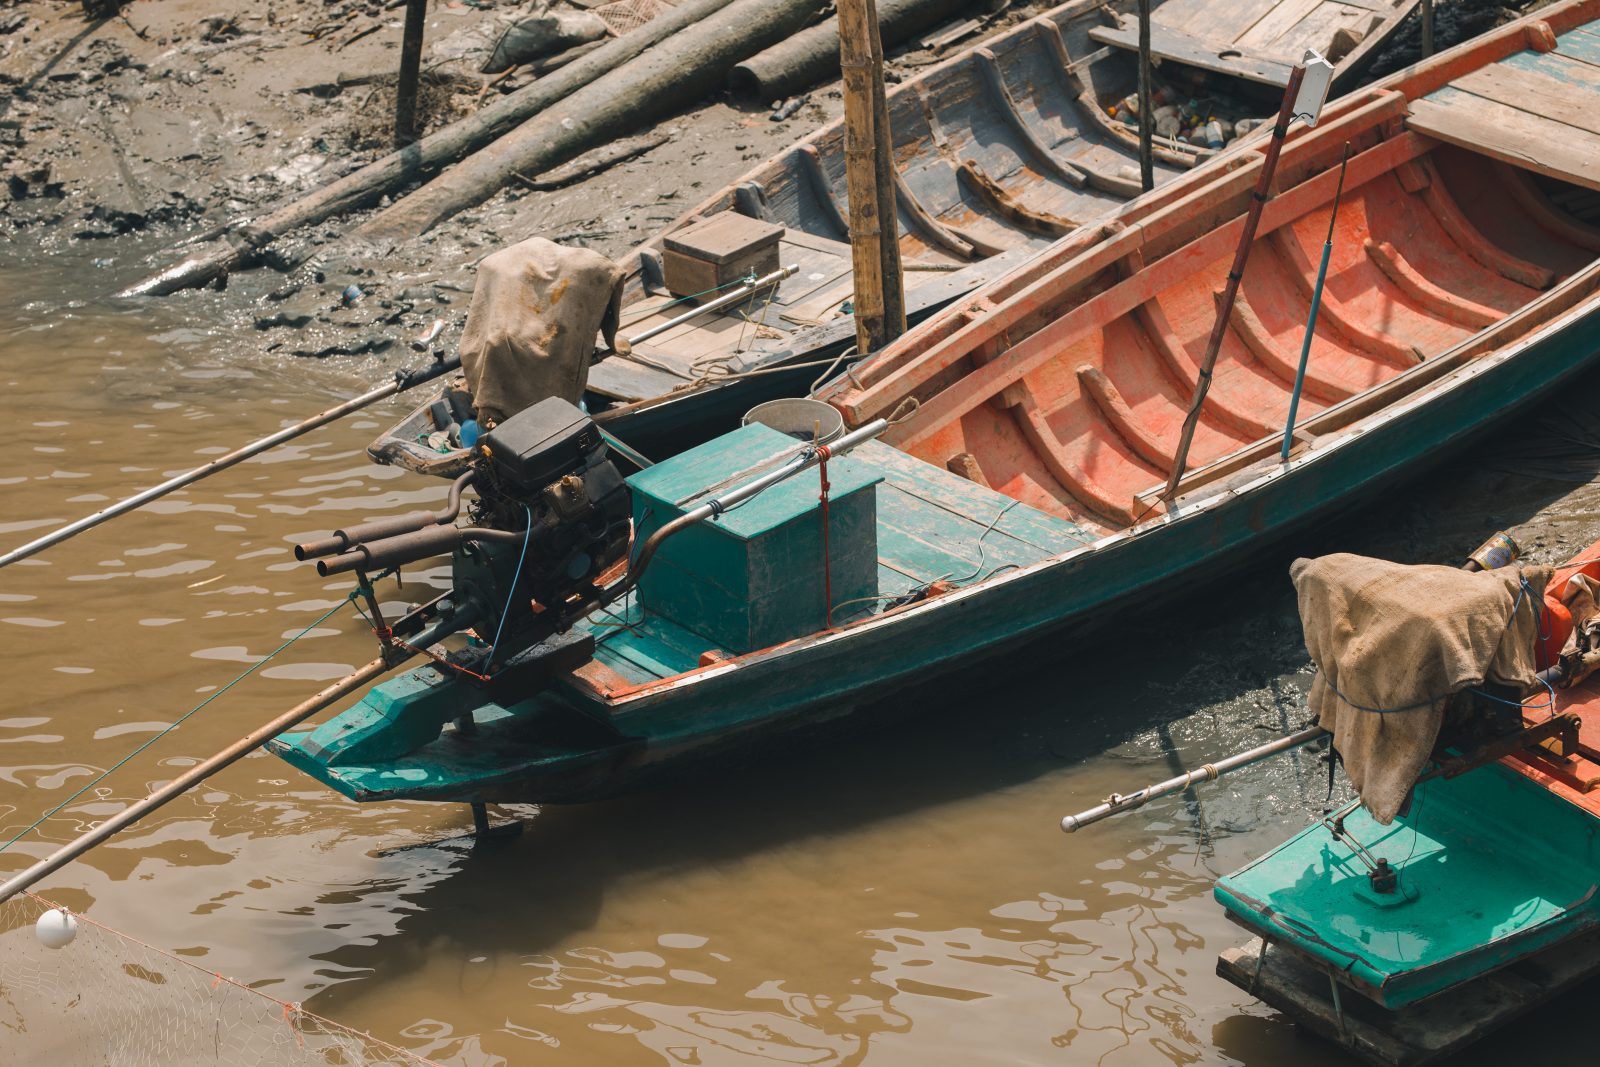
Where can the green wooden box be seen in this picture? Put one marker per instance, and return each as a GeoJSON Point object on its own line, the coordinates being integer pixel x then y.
{"type": "Point", "coordinates": [753, 577]}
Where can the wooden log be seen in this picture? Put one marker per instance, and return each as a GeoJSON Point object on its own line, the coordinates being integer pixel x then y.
{"type": "Point", "coordinates": [812, 55]}
{"type": "Point", "coordinates": [680, 69]}
{"type": "Point", "coordinates": [593, 163]}
{"type": "Point", "coordinates": [366, 186]}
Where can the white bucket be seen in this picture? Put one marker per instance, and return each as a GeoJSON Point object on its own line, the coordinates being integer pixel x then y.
{"type": "Point", "coordinates": [799, 418]}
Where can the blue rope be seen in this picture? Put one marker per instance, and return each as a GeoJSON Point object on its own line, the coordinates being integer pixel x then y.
{"type": "Point", "coordinates": [512, 595]}
{"type": "Point", "coordinates": [349, 599]}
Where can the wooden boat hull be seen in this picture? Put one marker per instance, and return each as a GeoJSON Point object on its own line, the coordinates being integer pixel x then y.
{"type": "Point", "coordinates": [1020, 432]}
{"type": "Point", "coordinates": [819, 683]}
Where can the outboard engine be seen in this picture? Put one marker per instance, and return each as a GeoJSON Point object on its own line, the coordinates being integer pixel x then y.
{"type": "Point", "coordinates": [552, 516]}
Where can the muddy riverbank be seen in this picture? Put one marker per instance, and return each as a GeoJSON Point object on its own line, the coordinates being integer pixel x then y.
{"type": "Point", "coordinates": [904, 899]}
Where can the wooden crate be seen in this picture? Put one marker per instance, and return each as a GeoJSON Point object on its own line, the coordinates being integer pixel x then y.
{"type": "Point", "coordinates": [721, 250]}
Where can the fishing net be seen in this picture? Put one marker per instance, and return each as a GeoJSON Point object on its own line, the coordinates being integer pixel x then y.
{"type": "Point", "coordinates": [625, 16]}
{"type": "Point", "coordinates": [106, 998]}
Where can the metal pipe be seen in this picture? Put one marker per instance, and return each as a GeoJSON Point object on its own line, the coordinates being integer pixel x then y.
{"type": "Point", "coordinates": [401, 383]}
{"type": "Point", "coordinates": [718, 304]}
{"type": "Point", "coordinates": [716, 505]}
{"type": "Point", "coordinates": [1116, 803]}
{"type": "Point", "coordinates": [201, 771]}
{"type": "Point", "coordinates": [410, 547]}
{"type": "Point", "coordinates": [1316, 305]}
{"type": "Point", "coordinates": [380, 529]}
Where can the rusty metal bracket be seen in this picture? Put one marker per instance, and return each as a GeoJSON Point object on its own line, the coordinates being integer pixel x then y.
{"type": "Point", "coordinates": [1564, 726]}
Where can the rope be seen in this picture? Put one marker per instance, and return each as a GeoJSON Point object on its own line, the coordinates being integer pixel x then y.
{"type": "Point", "coordinates": [516, 577]}
{"type": "Point", "coordinates": [292, 1010]}
{"type": "Point", "coordinates": [350, 598]}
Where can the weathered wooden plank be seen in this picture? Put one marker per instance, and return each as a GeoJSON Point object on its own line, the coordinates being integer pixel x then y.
{"type": "Point", "coordinates": [1555, 65]}
{"type": "Point", "coordinates": [1284, 17]}
{"type": "Point", "coordinates": [1249, 65]}
{"type": "Point", "coordinates": [1552, 148]}
{"type": "Point", "coordinates": [1579, 44]}
{"type": "Point", "coordinates": [1536, 93]}
{"type": "Point", "coordinates": [1424, 1033]}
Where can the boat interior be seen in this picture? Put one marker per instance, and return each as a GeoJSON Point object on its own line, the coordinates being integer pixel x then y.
{"type": "Point", "coordinates": [1051, 403]}
{"type": "Point", "coordinates": [1065, 385]}
{"type": "Point", "coordinates": [999, 152]}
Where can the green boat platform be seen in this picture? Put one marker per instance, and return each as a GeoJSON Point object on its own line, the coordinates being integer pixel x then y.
{"type": "Point", "coordinates": [1492, 867]}
{"type": "Point", "coordinates": [1497, 903]}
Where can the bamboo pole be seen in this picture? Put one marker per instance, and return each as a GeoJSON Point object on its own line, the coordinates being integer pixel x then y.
{"type": "Point", "coordinates": [402, 381]}
{"type": "Point", "coordinates": [1147, 106]}
{"type": "Point", "coordinates": [405, 97]}
{"type": "Point", "coordinates": [1427, 28]}
{"type": "Point", "coordinates": [200, 772]}
{"type": "Point", "coordinates": [869, 180]}
{"type": "Point", "coordinates": [1230, 292]}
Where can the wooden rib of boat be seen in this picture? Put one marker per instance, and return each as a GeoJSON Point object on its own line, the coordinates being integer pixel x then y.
{"type": "Point", "coordinates": [1000, 152]}
{"type": "Point", "coordinates": [1494, 909]}
{"type": "Point", "coordinates": [1021, 497]}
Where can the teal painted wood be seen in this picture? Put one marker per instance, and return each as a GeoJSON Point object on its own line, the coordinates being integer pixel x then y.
{"type": "Point", "coordinates": [1493, 868]}
{"type": "Point", "coordinates": [751, 576]}
{"type": "Point", "coordinates": [810, 685]}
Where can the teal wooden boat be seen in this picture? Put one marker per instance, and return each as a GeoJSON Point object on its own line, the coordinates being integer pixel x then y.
{"type": "Point", "coordinates": [1492, 867]}
{"type": "Point", "coordinates": [1022, 497]}
{"type": "Point", "coordinates": [1407, 942]}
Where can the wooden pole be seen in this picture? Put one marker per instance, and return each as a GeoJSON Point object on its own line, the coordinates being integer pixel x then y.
{"type": "Point", "coordinates": [869, 179]}
{"type": "Point", "coordinates": [1230, 292]}
{"type": "Point", "coordinates": [1427, 28]}
{"type": "Point", "coordinates": [200, 772]}
{"type": "Point", "coordinates": [405, 101]}
{"type": "Point", "coordinates": [894, 296]}
{"type": "Point", "coordinates": [1147, 106]}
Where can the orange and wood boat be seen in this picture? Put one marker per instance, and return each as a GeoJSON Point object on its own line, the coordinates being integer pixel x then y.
{"type": "Point", "coordinates": [1466, 232]}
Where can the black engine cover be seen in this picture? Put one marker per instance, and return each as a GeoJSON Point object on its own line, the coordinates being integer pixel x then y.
{"type": "Point", "coordinates": [539, 444]}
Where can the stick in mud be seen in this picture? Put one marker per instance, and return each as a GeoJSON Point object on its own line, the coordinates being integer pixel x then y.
{"type": "Point", "coordinates": [367, 185]}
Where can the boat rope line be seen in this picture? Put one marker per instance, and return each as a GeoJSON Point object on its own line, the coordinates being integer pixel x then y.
{"type": "Point", "coordinates": [350, 598]}
{"type": "Point", "coordinates": [511, 596]}
{"type": "Point", "coordinates": [294, 1013]}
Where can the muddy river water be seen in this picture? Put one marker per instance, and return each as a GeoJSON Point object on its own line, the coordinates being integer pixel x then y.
{"type": "Point", "coordinates": [903, 897]}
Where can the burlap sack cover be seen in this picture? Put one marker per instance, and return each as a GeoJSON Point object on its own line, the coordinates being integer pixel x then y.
{"type": "Point", "coordinates": [530, 332]}
{"type": "Point", "coordinates": [1393, 636]}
